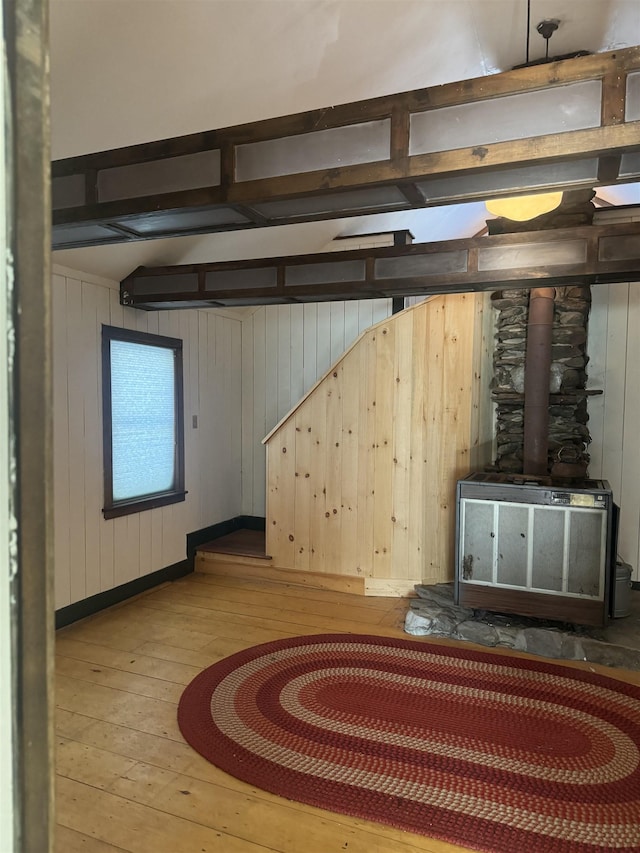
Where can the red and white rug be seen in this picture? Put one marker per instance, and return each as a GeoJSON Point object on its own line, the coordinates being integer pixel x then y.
{"type": "Point", "coordinates": [486, 751]}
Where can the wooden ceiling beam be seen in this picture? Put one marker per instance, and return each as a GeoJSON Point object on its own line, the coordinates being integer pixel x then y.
{"type": "Point", "coordinates": [591, 254]}
{"type": "Point", "coordinates": [527, 130]}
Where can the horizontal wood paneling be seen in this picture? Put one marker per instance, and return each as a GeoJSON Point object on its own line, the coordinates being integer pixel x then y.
{"type": "Point", "coordinates": [93, 555]}
{"type": "Point", "coordinates": [614, 417]}
{"type": "Point", "coordinates": [361, 476]}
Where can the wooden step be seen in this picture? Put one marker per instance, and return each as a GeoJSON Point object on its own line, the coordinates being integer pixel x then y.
{"type": "Point", "coordinates": [231, 565]}
{"type": "Point", "coordinates": [243, 542]}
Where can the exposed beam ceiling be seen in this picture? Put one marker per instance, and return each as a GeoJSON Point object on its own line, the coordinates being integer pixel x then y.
{"type": "Point", "coordinates": [446, 144]}
{"type": "Point", "coordinates": [588, 255]}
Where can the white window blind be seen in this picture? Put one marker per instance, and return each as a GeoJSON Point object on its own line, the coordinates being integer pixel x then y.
{"type": "Point", "coordinates": [142, 419]}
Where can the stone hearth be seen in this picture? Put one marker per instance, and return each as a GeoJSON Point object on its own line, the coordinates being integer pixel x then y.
{"type": "Point", "coordinates": [433, 613]}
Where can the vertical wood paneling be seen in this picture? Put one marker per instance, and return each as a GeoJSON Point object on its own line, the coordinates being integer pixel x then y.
{"type": "Point", "coordinates": [156, 539]}
{"type": "Point", "coordinates": [284, 360]}
{"type": "Point", "coordinates": [383, 468]}
{"type": "Point", "coordinates": [365, 315]}
{"type": "Point", "coordinates": [234, 462]}
{"type": "Point", "coordinates": [349, 442]}
{"type": "Point", "coordinates": [333, 471]}
{"type": "Point", "coordinates": [203, 411]}
{"type": "Point", "coordinates": [316, 486]}
{"type": "Point", "coordinates": [103, 317]}
{"type": "Point", "coordinates": [152, 323]}
{"type": "Point", "coordinates": [458, 374]}
{"type": "Point", "coordinates": [323, 338]}
{"type": "Point", "coordinates": [116, 311]}
{"type": "Point", "coordinates": [93, 555]}
{"type": "Point", "coordinates": [628, 544]}
{"type": "Point", "coordinates": [246, 390]}
{"type": "Point", "coordinates": [286, 349]}
{"type": "Point", "coordinates": [76, 367]}
{"type": "Point", "coordinates": [365, 352]}
{"type": "Point", "coordinates": [281, 479]}
{"type": "Point", "coordinates": [61, 443]}
{"type": "Point", "coordinates": [402, 425]}
{"type": "Point", "coordinates": [336, 332]}
{"type": "Point", "coordinates": [122, 571]}
{"type": "Point", "coordinates": [296, 354]}
{"type": "Point", "coordinates": [302, 497]}
{"type": "Point", "coordinates": [615, 386]}
{"type": "Point", "coordinates": [435, 542]}
{"type": "Point", "coordinates": [257, 386]}
{"type": "Point", "coordinates": [351, 323]}
{"type": "Point", "coordinates": [614, 417]}
{"type": "Point", "coordinates": [189, 334]}
{"type": "Point", "coordinates": [130, 569]}
{"type": "Point", "coordinates": [381, 309]}
{"type": "Point", "coordinates": [309, 348]}
{"type": "Point", "coordinates": [417, 553]}
{"type": "Point", "coordinates": [378, 501]}
{"type": "Point", "coordinates": [271, 368]}
{"type": "Point", "coordinates": [92, 444]}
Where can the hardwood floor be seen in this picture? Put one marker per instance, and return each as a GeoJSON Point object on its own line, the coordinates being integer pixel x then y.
{"type": "Point", "coordinates": [126, 779]}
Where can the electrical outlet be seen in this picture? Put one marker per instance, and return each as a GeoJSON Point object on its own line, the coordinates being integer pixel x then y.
{"type": "Point", "coordinates": [194, 421]}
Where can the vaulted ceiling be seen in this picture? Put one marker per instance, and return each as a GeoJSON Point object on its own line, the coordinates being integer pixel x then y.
{"type": "Point", "coordinates": [131, 71]}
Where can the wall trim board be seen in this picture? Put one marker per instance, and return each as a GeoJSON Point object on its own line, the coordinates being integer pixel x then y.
{"type": "Point", "coordinates": [222, 528]}
{"type": "Point", "coordinates": [95, 603]}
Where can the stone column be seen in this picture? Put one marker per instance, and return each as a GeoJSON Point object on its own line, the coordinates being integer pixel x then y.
{"type": "Point", "coordinates": [568, 433]}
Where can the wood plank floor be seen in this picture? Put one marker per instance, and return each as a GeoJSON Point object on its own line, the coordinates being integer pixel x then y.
{"type": "Point", "coordinates": [126, 779]}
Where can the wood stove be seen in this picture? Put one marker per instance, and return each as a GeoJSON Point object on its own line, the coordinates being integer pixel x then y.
{"type": "Point", "coordinates": [535, 547]}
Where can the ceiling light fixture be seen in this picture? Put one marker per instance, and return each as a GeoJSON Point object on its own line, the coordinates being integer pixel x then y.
{"type": "Point", "coordinates": [520, 208]}
{"type": "Point", "coordinates": [525, 207]}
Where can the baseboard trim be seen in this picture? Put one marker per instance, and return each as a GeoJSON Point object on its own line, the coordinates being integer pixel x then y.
{"type": "Point", "coordinates": [222, 528]}
{"type": "Point", "coordinates": [96, 603]}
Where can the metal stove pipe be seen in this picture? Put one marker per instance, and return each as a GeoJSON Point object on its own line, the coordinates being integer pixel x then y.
{"type": "Point", "coordinates": [537, 380]}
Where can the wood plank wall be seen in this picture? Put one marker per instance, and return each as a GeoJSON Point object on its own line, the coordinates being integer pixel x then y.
{"type": "Point", "coordinates": [93, 555]}
{"type": "Point", "coordinates": [614, 417]}
{"type": "Point", "coordinates": [361, 475]}
{"type": "Point", "coordinates": [285, 350]}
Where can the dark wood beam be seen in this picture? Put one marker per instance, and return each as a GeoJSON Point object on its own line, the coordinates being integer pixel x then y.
{"type": "Point", "coordinates": [498, 135]}
{"type": "Point", "coordinates": [586, 255]}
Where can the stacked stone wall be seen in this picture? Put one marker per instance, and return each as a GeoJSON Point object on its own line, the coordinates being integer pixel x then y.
{"type": "Point", "coordinates": [568, 431]}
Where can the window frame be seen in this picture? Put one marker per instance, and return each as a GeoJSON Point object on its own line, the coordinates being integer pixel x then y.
{"type": "Point", "coordinates": [116, 509]}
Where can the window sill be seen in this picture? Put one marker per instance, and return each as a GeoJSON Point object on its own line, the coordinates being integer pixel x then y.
{"type": "Point", "coordinates": [143, 504]}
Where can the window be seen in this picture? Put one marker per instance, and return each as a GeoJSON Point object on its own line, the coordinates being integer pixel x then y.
{"type": "Point", "coordinates": [143, 421]}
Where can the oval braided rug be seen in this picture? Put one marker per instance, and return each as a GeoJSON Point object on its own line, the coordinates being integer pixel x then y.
{"type": "Point", "coordinates": [482, 750]}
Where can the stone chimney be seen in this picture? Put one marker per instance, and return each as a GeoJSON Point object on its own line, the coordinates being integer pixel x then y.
{"type": "Point", "coordinates": [569, 435]}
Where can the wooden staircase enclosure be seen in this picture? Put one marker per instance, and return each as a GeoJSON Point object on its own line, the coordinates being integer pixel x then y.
{"type": "Point", "coordinates": [361, 474]}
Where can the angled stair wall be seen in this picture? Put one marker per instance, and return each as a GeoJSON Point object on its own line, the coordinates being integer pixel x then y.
{"type": "Point", "coordinates": [361, 473]}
